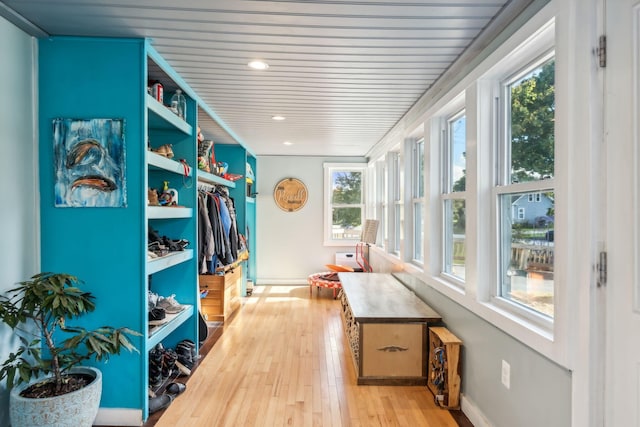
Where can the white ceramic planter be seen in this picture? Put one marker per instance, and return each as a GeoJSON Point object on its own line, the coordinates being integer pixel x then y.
{"type": "Point", "coordinates": [76, 409]}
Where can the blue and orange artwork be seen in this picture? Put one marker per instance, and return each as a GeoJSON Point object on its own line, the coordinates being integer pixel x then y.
{"type": "Point", "coordinates": [89, 157]}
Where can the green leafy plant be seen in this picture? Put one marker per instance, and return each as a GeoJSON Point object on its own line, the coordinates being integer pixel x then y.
{"type": "Point", "coordinates": [38, 310]}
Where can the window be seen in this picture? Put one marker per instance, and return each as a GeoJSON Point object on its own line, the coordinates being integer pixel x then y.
{"type": "Point", "coordinates": [525, 186]}
{"type": "Point", "coordinates": [417, 200]}
{"type": "Point", "coordinates": [394, 196]}
{"type": "Point", "coordinates": [381, 203]}
{"type": "Point", "coordinates": [453, 195]}
{"type": "Point", "coordinates": [344, 202]}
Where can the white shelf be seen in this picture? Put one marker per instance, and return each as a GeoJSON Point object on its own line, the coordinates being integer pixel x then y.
{"type": "Point", "coordinates": [158, 333]}
{"type": "Point", "coordinates": [214, 179]}
{"type": "Point", "coordinates": [174, 258]}
{"type": "Point", "coordinates": [168, 212]}
{"type": "Point", "coordinates": [160, 117]}
{"type": "Point", "coordinates": [156, 161]}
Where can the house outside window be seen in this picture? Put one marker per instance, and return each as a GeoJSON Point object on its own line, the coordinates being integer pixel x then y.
{"type": "Point", "coordinates": [525, 184]}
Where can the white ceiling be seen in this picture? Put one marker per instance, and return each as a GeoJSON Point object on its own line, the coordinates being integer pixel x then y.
{"type": "Point", "coordinates": [342, 72]}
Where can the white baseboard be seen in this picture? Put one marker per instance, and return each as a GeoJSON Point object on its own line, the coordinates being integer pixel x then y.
{"type": "Point", "coordinates": [281, 282]}
{"type": "Point", "coordinates": [118, 417]}
{"type": "Point", "coordinates": [472, 412]}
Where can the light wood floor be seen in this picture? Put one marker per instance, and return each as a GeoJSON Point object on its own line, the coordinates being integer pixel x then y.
{"type": "Point", "coordinates": [284, 361]}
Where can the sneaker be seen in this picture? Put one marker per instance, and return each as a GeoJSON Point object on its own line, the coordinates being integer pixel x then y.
{"type": "Point", "coordinates": [157, 316]}
{"type": "Point", "coordinates": [170, 305]}
{"type": "Point", "coordinates": [155, 367]}
{"type": "Point", "coordinates": [186, 350]}
{"type": "Point", "coordinates": [169, 358]}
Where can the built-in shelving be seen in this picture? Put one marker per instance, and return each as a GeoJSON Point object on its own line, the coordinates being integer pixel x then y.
{"type": "Point", "coordinates": [158, 162]}
{"type": "Point", "coordinates": [167, 261]}
{"type": "Point", "coordinates": [214, 179]}
{"type": "Point", "coordinates": [122, 275]}
{"type": "Point", "coordinates": [160, 117]}
{"type": "Point", "coordinates": [158, 333]}
{"type": "Point", "coordinates": [168, 212]}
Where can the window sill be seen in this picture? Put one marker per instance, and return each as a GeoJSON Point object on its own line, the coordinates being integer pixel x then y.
{"type": "Point", "coordinates": [498, 314]}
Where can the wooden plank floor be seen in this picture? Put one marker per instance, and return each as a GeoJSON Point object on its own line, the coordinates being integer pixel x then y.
{"type": "Point", "coordinates": [283, 361]}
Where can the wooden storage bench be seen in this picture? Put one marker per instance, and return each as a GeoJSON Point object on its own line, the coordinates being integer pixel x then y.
{"type": "Point", "coordinates": [386, 325]}
{"type": "Point", "coordinates": [223, 294]}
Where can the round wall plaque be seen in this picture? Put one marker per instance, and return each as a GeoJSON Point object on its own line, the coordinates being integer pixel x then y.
{"type": "Point", "coordinates": [290, 194]}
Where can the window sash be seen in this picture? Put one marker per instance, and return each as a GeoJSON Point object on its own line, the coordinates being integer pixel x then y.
{"type": "Point", "coordinates": [332, 234]}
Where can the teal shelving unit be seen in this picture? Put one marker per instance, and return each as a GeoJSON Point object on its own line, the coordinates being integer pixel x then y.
{"type": "Point", "coordinates": [106, 247]}
{"type": "Point", "coordinates": [237, 157]}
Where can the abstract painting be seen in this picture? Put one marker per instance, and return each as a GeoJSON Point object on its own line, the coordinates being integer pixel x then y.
{"type": "Point", "coordinates": [89, 163]}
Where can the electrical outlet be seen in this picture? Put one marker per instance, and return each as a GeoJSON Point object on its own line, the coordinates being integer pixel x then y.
{"type": "Point", "coordinates": [506, 374]}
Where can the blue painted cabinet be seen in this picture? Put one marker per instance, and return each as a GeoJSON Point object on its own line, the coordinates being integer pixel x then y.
{"type": "Point", "coordinates": [81, 79]}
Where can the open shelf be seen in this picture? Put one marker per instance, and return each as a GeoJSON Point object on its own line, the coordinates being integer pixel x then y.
{"type": "Point", "coordinates": [160, 117]}
{"type": "Point", "coordinates": [214, 179]}
{"type": "Point", "coordinates": [168, 212]}
{"type": "Point", "coordinates": [160, 332]}
{"type": "Point", "coordinates": [164, 262]}
{"type": "Point", "coordinates": [158, 162]}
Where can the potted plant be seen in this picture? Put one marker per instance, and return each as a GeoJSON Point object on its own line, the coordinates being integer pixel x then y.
{"type": "Point", "coordinates": [38, 310]}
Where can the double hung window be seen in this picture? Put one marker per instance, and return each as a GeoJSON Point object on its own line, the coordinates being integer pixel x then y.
{"type": "Point", "coordinates": [524, 190]}
{"type": "Point", "coordinates": [417, 201]}
{"type": "Point", "coordinates": [453, 196]}
{"type": "Point", "coordinates": [344, 202]}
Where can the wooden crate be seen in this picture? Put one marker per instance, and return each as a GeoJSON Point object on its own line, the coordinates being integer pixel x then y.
{"type": "Point", "coordinates": [223, 294]}
{"type": "Point", "coordinates": [444, 367]}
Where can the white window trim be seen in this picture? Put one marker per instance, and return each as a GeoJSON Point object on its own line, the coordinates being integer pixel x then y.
{"type": "Point", "coordinates": [381, 201]}
{"type": "Point", "coordinates": [477, 88]}
{"type": "Point", "coordinates": [328, 169]}
{"type": "Point", "coordinates": [446, 189]}
{"type": "Point", "coordinates": [394, 242]}
{"type": "Point", "coordinates": [414, 199]}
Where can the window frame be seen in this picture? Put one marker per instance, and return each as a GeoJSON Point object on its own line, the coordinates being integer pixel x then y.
{"type": "Point", "coordinates": [381, 202]}
{"type": "Point", "coordinates": [477, 91]}
{"type": "Point", "coordinates": [329, 169]}
{"type": "Point", "coordinates": [417, 201]}
{"type": "Point", "coordinates": [448, 195]}
{"type": "Point", "coordinates": [393, 244]}
{"type": "Point", "coordinates": [530, 56]}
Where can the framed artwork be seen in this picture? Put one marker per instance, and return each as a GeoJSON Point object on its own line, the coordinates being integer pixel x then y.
{"type": "Point", "coordinates": [89, 163]}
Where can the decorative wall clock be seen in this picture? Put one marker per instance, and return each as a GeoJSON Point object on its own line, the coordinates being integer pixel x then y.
{"type": "Point", "coordinates": [290, 194]}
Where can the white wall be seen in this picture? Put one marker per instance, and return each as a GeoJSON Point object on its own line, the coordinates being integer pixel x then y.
{"type": "Point", "coordinates": [290, 244]}
{"type": "Point", "coordinates": [19, 220]}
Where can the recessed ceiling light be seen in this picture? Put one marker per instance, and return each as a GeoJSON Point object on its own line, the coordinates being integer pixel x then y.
{"type": "Point", "coordinates": [258, 65]}
{"type": "Point", "coordinates": [288, 143]}
{"type": "Point", "coordinates": [278, 117]}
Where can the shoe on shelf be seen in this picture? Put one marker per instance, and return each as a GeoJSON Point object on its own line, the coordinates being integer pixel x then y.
{"type": "Point", "coordinates": [155, 367]}
{"type": "Point", "coordinates": [165, 150]}
{"type": "Point", "coordinates": [157, 316]}
{"type": "Point", "coordinates": [186, 351]}
{"type": "Point", "coordinates": [169, 358]}
{"type": "Point", "coordinates": [170, 305]}
{"type": "Point", "coordinates": [153, 299]}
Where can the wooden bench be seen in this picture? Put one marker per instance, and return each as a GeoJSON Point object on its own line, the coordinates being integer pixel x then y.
{"type": "Point", "coordinates": [386, 325]}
